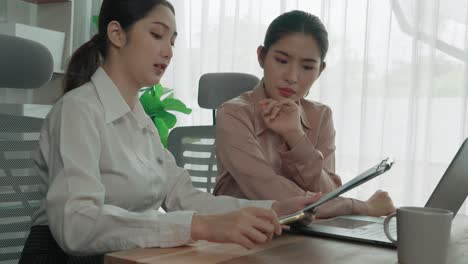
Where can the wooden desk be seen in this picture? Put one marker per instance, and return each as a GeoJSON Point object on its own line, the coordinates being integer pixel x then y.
{"type": "Point", "coordinates": [287, 249]}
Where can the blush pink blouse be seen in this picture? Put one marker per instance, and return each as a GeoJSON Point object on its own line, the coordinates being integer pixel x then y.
{"type": "Point", "coordinates": [256, 163]}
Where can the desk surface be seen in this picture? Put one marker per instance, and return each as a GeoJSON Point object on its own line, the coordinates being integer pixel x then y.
{"type": "Point", "coordinates": [287, 249]}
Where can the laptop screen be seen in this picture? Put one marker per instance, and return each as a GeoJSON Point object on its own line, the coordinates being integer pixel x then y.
{"type": "Point", "coordinates": [452, 189]}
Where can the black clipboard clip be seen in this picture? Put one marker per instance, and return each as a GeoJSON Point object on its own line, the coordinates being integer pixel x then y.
{"type": "Point", "coordinates": [385, 164]}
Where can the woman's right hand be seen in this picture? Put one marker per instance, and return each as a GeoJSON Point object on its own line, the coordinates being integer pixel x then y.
{"type": "Point", "coordinates": [283, 117]}
{"type": "Point", "coordinates": [247, 227]}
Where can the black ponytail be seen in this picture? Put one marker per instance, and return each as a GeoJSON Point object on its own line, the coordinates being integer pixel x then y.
{"type": "Point", "coordinates": [84, 62]}
{"type": "Point", "coordinates": [87, 58]}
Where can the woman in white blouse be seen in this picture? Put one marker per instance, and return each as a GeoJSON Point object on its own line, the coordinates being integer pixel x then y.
{"type": "Point", "coordinates": [104, 167]}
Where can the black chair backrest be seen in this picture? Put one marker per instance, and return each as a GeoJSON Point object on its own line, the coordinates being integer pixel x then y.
{"type": "Point", "coordinates": [21, 189]}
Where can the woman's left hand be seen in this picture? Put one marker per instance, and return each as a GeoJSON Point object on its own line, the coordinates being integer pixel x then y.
{"type": "Point", "coordinates": [294, 204]}
{"type": "Point", "coordinates": [380, 204]}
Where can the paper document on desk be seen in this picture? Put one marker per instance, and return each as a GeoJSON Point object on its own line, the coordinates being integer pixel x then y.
{"type": "Point", "coordinates": [371, 173]}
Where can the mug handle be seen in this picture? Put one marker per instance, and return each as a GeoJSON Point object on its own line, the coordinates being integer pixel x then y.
{"type": "Point", "coordinates": [387, 233]}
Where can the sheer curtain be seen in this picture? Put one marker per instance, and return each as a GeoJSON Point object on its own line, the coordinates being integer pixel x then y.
{"type": "Point", "coordinates": [396, 78]}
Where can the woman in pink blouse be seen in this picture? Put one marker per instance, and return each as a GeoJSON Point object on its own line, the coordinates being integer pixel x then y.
{"type": "Point", "coordinates": [272, 143]}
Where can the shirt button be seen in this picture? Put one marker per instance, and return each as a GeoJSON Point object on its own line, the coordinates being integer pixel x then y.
{"type": "Point", "coordinates": [160, 161]}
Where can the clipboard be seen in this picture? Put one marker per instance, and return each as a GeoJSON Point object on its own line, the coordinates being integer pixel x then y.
{"type": "Point", "coordinates": [367, 175]}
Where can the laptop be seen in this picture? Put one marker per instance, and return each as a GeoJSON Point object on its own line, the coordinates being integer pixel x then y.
{"type": "Point", "coordinates": [450, 193]}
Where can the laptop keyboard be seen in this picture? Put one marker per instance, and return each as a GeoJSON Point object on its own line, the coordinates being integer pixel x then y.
{"type": "Point", "coordinates": [378, 231]}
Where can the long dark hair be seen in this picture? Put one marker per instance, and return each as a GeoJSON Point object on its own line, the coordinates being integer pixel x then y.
{"type": "Point", "coordinates": [87, 58]}
{"type": "Point", "coordinates": [296, 21]}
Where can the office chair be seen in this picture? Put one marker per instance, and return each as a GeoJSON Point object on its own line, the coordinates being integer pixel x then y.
{"type": "Point", "coordinates": [23, 64]}
{"type": "Point", "coordinates": [193, 147]}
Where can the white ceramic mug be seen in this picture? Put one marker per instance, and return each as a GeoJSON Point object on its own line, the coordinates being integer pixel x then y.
{"type": "Point", "coordinates": [423, 234]}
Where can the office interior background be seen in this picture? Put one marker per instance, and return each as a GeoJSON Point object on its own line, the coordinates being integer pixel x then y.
{"type": "Point", "coordinates": [396, 76]}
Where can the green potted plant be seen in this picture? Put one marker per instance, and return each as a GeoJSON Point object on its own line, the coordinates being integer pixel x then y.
{"type": "Point", "coordinates": [157, 101]}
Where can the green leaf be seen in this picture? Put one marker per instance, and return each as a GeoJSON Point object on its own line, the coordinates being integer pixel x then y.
{"type": "Point", "coordinates": [171, 104]}
{"type": "Point", "coordinates": [163, 131]}
{"type": "Point", "coordinates": [95, 20]}
{"type": "Point", "coordinates": [150, 102]}
{"type": "Point", "coordinates": [157, 108]}
{"type": "Point", "coordinates": [158, 89]}
{"type": "Point", "coordinates": [161, 90]}
{"type": "Point", "coordinates": [169, 119]}
{"type": "Point", "coordinates": [145, 89]}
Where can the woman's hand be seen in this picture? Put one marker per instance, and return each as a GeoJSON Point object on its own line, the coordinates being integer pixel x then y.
{"type": "Point", "coordinates": [247, 227]}
{"type": "Point", "coordinates": [283, 117]}
{"type": "Point", "coordinates": [380, 204]}
{"type": "Point", "coordinates": [294, 204]}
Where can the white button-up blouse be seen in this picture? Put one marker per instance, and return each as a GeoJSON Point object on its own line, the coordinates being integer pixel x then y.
{"type": "Point", "coordinates": [107, 175]}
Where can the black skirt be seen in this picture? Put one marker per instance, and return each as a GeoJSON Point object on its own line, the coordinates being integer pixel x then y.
{"type": "Point", "coordinates": [41, 248]}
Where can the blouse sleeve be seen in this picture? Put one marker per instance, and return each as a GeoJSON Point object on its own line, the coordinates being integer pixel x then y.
{"type": "Point", "coordinates": [183, 196]}
{"type": "Point", "coordinates": [313, 166]}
